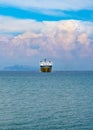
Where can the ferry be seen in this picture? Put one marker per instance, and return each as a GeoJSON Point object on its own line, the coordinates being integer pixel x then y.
{"type": "Point", "coordinates": [46, 65]}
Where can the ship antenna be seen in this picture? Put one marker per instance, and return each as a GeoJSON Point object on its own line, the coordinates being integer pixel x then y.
{"type": "Point", "coordinates": [45, 59]}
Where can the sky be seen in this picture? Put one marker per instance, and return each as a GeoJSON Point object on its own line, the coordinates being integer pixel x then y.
{"type": "Point", "coordinates": [59, 30]}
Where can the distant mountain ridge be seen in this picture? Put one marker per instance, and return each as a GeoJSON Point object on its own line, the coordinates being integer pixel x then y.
{"type": "Point", "coordinates": [20, 68]}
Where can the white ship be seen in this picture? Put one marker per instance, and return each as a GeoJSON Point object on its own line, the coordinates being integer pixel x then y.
{"type": "Point", "coordinates": [46, 66]}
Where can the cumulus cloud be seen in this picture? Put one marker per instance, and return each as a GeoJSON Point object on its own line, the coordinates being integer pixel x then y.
{"type": "Point", "coordinates": [10, 25]}
{"type": "Point", "coordinates": [60, 39]}
{"type": "Point", "coordinates": [83, 39]}
{"type": "Point", "coordinates": [53, 4]}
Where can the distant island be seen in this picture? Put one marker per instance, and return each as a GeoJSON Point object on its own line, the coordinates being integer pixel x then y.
{"type": "Point", "coordinates": [20, 68]}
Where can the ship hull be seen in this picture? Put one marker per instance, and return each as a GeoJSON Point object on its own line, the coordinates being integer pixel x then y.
{"type": "Point", "coordinates": [45, 68]}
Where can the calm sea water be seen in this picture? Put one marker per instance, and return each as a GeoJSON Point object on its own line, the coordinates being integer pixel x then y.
{"type": "Point", "coordinates": [46, 101]}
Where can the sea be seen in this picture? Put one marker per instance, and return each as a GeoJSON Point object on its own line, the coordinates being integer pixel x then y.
{"type": "Point", "coordinates": [60, 100]}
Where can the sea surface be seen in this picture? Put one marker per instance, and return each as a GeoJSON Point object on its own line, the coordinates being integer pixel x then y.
{"type": "Point", "coordinates": [46, 101]}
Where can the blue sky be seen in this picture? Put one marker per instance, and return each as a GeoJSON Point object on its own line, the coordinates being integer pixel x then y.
{"type": "Point", "coordinates": [59, 30]}
{"type": "Point", "coordinates": [52, 15]}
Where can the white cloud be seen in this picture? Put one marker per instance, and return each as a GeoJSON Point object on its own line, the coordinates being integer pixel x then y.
{"type": "Point", "coordinates": [51, 4]}
{"type": "Point", "coordinates": [55, 39]}
{"type": "Point", "coordinates": [10, 24]}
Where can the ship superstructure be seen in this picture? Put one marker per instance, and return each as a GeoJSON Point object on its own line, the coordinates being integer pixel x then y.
{"type": "Point", "coordinates": [46, 66]}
